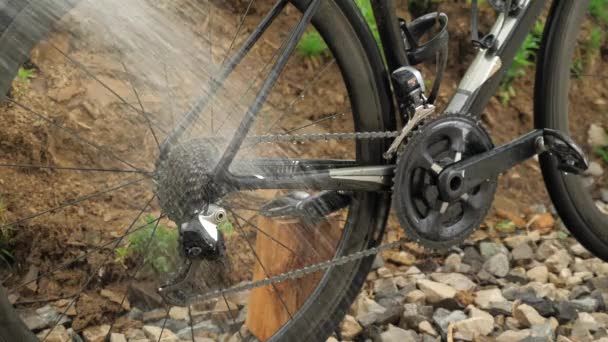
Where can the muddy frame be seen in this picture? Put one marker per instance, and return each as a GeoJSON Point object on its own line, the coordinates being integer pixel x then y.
{"type": "Point", "coordinates": [474, 92]}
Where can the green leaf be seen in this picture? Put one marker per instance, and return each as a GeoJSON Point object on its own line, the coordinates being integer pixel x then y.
{"type": "Point", "coordinates": [506, 226]}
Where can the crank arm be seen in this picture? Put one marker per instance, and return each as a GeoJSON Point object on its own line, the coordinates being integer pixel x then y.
{"type": "Point", "coordinates": [460, 178]}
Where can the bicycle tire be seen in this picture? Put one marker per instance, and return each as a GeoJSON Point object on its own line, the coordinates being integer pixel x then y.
{"type": "Point", "coordinates": [572, 200]}
{"type": "Point", "coordinates": [349, 39]}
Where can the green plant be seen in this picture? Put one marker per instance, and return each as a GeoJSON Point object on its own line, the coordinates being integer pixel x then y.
{"type": "Point", "coordinates": [524, 58]}
{"type": "Point", "coordinates": [599, 10]}
{"type": "Point", "coordinates": [602, 152]}
{"type": "Point", "coordinates": [24, 75]}
{"type": "Point", "coordinates": [155, 243]}
{"type": "Point", "coordinates": [312, 44]}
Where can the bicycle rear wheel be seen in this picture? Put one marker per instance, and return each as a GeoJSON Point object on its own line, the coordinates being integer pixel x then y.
{"type": "Point", "coordinates": [571, 95]}
{"type": "Point", "coordinates": [82, 124]}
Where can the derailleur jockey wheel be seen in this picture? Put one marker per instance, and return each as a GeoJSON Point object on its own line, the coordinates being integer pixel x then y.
{"type": "Point", "coordinates": [425, 216]}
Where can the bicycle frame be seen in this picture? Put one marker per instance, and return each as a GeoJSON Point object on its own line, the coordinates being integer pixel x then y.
{"type": "Point", "coordinates": [474, 92]}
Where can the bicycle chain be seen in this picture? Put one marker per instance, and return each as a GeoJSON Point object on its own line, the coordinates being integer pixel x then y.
{"type": "Point", "coordinates": [302, 272]}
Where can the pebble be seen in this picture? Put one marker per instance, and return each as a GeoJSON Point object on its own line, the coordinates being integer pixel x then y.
{"type": "Point", "coordinates": [458, 281]}
{"type": "Point", "coordinates": [395, 334]}
{"type": "Point", "coordinates": [452, 263]}
{"type": "Point", "coordinates": [483, 298]}
{"type": "Point", "coordinates": [58, 334]}
{"type": "Point", "coordinates": [426, 328]}
{"type": "Point", "coordinates": [443, 318]}
{"type": "Point", "coordinates": [416, 296]}
{"type": "Point", "coordinates": [585, 304]}
{"type": "Point", "coordinates": [435, 291]}
{"type": "Point", "coordinates": [115, 337]}
{"type": "Point", "coordinates": [350, 328]}
{"type": "Point", "coordinates": [96, 334]}
{"type": "Point", "coordinates": [597, 136]}
{"type": "Point", "coordinates": [538, 273]}
{"type": "Point", "coordinates": [522, 252]}
{"type": "Point", "coordinates": [400, 258]}
{"type": "Point", "coordinates": [558, 261]}
{"type": "Point", "coordinates": [604, 195]}
{"type": "Point", "coordinates": [497, 265]}
{"type": "Point", "coordinates": [595, 169]}
{"type": "Point", "coordinates": [527, 316]}
{"type": "Point", "coordinates": [512, 336]}
{"type": "Point", "coordinates": [154, 333]}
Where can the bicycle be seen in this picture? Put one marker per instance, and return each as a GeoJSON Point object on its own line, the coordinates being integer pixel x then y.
{"type": "Point", "coordinates": [438, 169]}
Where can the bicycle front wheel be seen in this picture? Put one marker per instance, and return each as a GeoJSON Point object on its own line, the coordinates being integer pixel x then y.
{"type": "Point", "coordinates": [572, 96]}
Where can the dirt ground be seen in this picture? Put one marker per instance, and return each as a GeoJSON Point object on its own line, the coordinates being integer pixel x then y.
{"type": "Point", "coordinates": [71, 114]}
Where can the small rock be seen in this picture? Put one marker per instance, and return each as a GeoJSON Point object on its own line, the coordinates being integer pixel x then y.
{"type": "Point", "coordinates": [364, 305]}
{"type": "Point", "coordinates": [378, 262]}
{"type": "Point", "coordinates": [587, 322]}
{"type": "Point", "coordinates": [500, 308]}
{"type": "Point", "coordinates": [483, 298]}
{"type": "Point", "coordinates": [96, 334]}
{"type": "Point", "coordinates": [598, 283]}
{"type": "Point", "coordinates": [489, 249]}
{"type": "Point", "coordinates": [516, 219]}
{"type": "Point", "coordinates": [516, 240]}
{"type": "Point", "coordinates": [426, 328]}
{"type": "Point", "coordinates": [349, 328]}
{"type": "Point", "coordinates": [115, 337]}
{"type": "Point", "coordinates": [384, 272]}
{"type": "Point", "coordinates": [544, 332]}
{"type": "Point", "coordinates": [385, 287]}
{"type": "Point", "coordinates": [435, 291]}
{"type": "Point", "coordinates": [513, 336]}
{"type": "Point", "coordinates": [59, 334]}
{"type": "Point", "coordinates": [416, 296]}
{"type": "Point", "coordinates": [179, 313]}
{"type": "Point", "coordinates": [545, 250]}
{"type": "Point", "coordinates": [452, 263]}
{"type": "Point", "coordinates": [604, 195]}
{"type": "Point", "coordinates": [558, 261]}
{"type": "Point", "coordinates": [458, 281]}
{"type": "Point", "coordinates": [527, 316]}
{"type": "Point", "coordinates": [400, 258]}
{"type": "Point", "coordinates": [585, 304]}
{"type": "Point", "coordinates": [543, 223]}
{"type": "Point", "coordinates": [144, 296]}
{"type": "Point", "coordinates": [443, 318]}
{"type": "Point", "coordinates": [154, 315]}
{"type": "Point", "coordinates": [202, 327]}
{"type": "Point", "coordinates": [522, 252]}
{"type": "Point", "coordinates": [475, 326]}
{"type": "Point", "coordinates": [116, 298]}
{"type": "Point", "coordinates": [395, 334]}
{"type": "Point", "coordinates": [154, 333]}
{"type": "Point", "coordinates": [566, 312]}
{"type": "Point", "coordinates": [486, 278]}
{"type": "Point", "coordinates": [539, 274]}
{"type": "Point", "coordinates": [595, 169]}
{"type": "Point", "coordinates": [580, 251]}
{"type": "Point", "coordinates": [597, 136]}
{"type": "Point", "coordinates": [497, 265]}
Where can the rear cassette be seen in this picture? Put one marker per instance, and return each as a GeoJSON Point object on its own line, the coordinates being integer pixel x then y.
{"type": "Point", "coordinates": [424, 216]}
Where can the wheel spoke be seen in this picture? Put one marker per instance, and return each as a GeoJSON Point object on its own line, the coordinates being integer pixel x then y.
{"type": "Point", "coordinates": [74, 202]}
{"type": "Point", "coordinates": [266, 274]}
{"type": "Point", "coordinates": [318, 76]}
{"type": "Point", "coordinates": [145, 254]}
{"type": "Point", "coordinates": [96, 79]}
{"type": "Point", "coordinates": [72, 133]}
{"type": "Point", "coordinates": [238, 31]}
{"type": "Point", "coordinates": [69, 306]}
{"type": "Point", "coordinates": [250, 116]}
{"type": "Point", "coordinates": [217, 82]}
{"type": "Point", "coordinates": [261, 231]}
{"type": "Point", "coordinates": [70, 168]}
{"type": "Point", "coordinates": [141, 105]}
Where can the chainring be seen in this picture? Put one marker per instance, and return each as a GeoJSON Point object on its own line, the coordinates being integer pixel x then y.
{"type": "Point", "coordinates": [434, 145]}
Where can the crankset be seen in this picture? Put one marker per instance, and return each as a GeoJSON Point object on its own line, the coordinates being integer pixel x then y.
{"type": "Point", "coordinates": [446, 175]}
